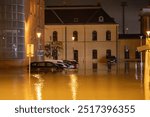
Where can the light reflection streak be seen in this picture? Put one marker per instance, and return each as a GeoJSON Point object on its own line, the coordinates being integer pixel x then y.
{"type": "Point", "coordinates": [38, 86]}
{"type": "Point", "coordinates": [74, 86]}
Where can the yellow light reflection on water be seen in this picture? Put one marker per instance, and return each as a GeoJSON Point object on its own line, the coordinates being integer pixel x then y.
{"type": "Point", "coordinates": [73, 85]}
{"type": "Point", "coordinates": [38, 86]}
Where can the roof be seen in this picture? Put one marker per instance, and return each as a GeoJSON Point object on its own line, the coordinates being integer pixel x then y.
{"type": "Point", "coordinates": [131, 36]}
{"type": "Point", "coordinates": [77, 15]}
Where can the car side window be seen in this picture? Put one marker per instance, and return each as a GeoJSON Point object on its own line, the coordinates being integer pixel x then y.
{"type": "Point", "coordinates": [49, 64]}
{"type": "Point", "coordinates": [33, 64]}
{"type": "Point", "coordinates": [41, 64]}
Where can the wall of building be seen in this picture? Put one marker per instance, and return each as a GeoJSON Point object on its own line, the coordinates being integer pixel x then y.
{"type": "Point", "coordinates": [19, 22]}
{"type": "Point", "coordinates": [34, 23]}
{"type": "Point", "coordinates": [131, 44]}
{"type": "Point", "coordinates": [85, 44]}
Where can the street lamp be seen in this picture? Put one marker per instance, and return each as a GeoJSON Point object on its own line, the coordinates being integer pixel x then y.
{"type": "Point", "coordinates": [141, 56]}
{"type": "Point", "coordinates": [73, 39]}
{"type": "Point", "coordinates": [148, 33]}
{"type": "Point", "coordinates": [39, 45]}
{"type": "Point", "coordinates": [38, 34]}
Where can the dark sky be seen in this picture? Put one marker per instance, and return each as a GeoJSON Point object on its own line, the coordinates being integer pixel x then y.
{"type": "Point", "coordinates": [114, 9]}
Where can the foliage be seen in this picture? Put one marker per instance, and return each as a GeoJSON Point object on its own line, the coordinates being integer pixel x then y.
{"type": "Point", "coordinates": [52, 49]}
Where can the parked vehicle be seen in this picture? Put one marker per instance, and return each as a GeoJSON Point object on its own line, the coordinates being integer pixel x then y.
{"type": "Point", "coordinates": [72, 64]}
{"type": "Point", "coordinates": [43, 66]}
{"type": "Point", "coordinates": [61, 66]}
{"type": "Point", "coordinates": [112, 59]}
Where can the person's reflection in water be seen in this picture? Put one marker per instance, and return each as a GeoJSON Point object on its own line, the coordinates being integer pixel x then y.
{"type": "Point", "coordinates": [74, 86]}
{"type": "Point", "coordinates": [38, 87]}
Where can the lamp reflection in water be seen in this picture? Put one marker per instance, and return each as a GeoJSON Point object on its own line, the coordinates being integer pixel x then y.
{"type": "Point", "coordinates": [74, 86]}
{"type": "Point", "coordinates": [147, 68]}
{"type": "Point", "coordinates": [38, 86]}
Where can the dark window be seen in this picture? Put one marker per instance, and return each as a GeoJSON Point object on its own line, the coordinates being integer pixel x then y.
{"type": "Point", "coordinates": [94, 36]}
{"type": "Point", "coordinates": [55, 36]}
{"type": "Point", "coordinates": [75, 19]}
{"type": "Point", "coordinates": [75, 55]}
{"type": "Point", "coordinates": [137, 54]}
{"type": "Point", "coordinates": [108, 53]}
{"type": "Point", "coordinates": [108, 35]}
{"type": "Point", "coordinates": [75, 35]}
{"type": "Point", "coordinates": [126, 53]}
{"type": "Point", "coordinates": [94, 54]}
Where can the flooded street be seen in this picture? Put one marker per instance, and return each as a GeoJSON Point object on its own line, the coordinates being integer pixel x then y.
{"type": "Point", "coordinates": [125, 83]}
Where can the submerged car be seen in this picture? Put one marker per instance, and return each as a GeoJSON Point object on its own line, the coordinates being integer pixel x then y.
{"type": "Point", "coordinates": [112, 59]}
{"type": "Point", "coordinates": [43, 66]}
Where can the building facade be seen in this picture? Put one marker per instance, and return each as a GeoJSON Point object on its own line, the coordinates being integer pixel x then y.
{"type": "Point", "coordinates": [17, 28]}
{"type": "Point", "coordinates": [127, 46]}
{"type": "Point", "coordinates": [145, 28]}
{"type": "Point", "coordinates": [88, 34]}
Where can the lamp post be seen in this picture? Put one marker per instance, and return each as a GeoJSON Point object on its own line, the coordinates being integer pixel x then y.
{"type": "Point", "coordinates": [141, 57]}
{"type": "Point", "coordinates": [73, 39]}
{"type": "Point", "coordinates": [39, 45]}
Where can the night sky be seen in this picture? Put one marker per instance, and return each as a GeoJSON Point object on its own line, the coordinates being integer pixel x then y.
{"type": "Point", "coordinates": [114, 9]}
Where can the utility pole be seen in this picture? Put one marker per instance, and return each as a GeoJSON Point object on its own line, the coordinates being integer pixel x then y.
{"type": "Point", "coordinates": [123, 4]}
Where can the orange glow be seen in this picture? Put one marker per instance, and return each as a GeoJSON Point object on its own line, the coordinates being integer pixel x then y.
{"type": "Point", "coordinates": [38, 34]}
{"type": "Point", "coordinates": [148, 33]}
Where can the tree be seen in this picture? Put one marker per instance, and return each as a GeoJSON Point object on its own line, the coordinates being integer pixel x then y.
{"type": "Point", "coordinates": [52, 49]}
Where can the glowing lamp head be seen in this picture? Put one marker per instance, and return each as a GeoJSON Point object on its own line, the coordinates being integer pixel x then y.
{"type": "Point", "coordinates": [38, 34]}
{"type": "Point", "coordinates": [73, 38]}
{"type": "Point", "coordinates": [148, 33]}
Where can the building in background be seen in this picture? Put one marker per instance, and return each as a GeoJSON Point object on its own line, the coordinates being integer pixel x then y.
{"type": "Point", "coordinates": [19, 22]}
{"type": "Point", "coordinates": [88, 34]}
{"type": "Point", "coordinates": [145, 29]}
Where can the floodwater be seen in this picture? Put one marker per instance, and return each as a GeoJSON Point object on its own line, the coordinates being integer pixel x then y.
{"type": "Point", "coordinates": [121, 82]}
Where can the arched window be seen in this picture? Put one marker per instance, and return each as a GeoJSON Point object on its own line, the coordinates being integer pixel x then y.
{"type": "Point", "coordinates": [55, 36]}
{"type": "Point", "coordinates": [75, 35]}
{"type": "Point", "coordinates": [108, 35]}
{"type": "Point", "coordinates": [94, 36]}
